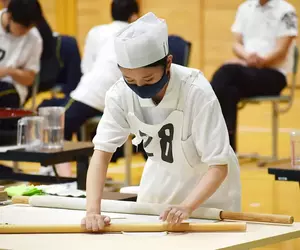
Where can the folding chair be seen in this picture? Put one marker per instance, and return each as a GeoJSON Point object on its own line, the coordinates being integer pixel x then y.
{"type": "Point", "coordinates": [34, 92]}
{"type": "Point", "coordinates": [66, 66]}
{"type": "Point", "coordinates": [276, 111]}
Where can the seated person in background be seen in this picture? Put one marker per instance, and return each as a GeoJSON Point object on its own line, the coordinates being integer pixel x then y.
{"type": "Point", "coordinates": [122, 12]}
{"type": "Point", "coordinates": [265, 32]}
{"type": "Point", "coordinates": [20, 51]}
{"type": "Point", "coordinates": [52, 71]}
{"type": "Point", "coordinates": [88, 99]}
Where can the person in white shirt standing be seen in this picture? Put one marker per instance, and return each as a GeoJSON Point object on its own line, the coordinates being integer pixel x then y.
{"type": "Point", "coordinates": [265, 32]}
{"type": "Point", "coordinates": [174, 112]}
{"type": "Point", "coordinates": [20, 51]}
{"type": "Point", "coordinates": [122, 12]}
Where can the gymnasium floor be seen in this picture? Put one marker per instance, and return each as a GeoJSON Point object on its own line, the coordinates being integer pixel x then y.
{"type": "Point", "coordinates": [260, 193]}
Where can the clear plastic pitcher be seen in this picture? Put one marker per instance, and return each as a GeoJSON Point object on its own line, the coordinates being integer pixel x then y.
{"type": "Point", "coordinates": [30, 132]}
{"type": "Point", "coordinates": [54, 126]}
{"type": "Point", "coordinates": [295, 149]}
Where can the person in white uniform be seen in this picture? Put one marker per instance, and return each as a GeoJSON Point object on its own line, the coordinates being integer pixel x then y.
{"type": "Point", "coordinates": [100, 72]}
{"type": "Point", "coordinates": [122, 12]}
{"type": "Point", "coordinates": [174, 112]}
{"type": "Point", "coordinates": [20, 51]}
{"type": "Point", "coordinates": [88, 99]}
{"type": "Point", "coordinates": [265, 32]}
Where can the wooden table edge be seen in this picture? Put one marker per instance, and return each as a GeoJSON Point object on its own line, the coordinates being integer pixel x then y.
{"type": "Point", "coordinates": [264, 242]}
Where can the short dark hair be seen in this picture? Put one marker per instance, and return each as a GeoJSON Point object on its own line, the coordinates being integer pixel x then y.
{"type": "Point", "coordinates": [25, 12]}
{"type": "Point", "coordinates": [122, 10]}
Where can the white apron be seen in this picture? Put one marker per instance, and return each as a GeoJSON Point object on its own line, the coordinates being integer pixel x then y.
{"type": "Point", "coordinates": [168, 176]}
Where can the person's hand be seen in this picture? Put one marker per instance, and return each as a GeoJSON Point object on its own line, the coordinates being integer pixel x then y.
{"type": "Point", "coordinates": [176, 214]}
{"type": "Point", "coordinates": [3, 72]}
{"type": "Point", "coordinates": [252, 60]}
{"type": "Point", "coordinates": [260, 62]}
{"type": "Point", "coordinates": [94, 222]}
{"type": "Point", "coordinates": [236, 61]}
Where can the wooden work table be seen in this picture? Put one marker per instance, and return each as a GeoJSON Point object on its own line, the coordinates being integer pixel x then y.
{"type": "Point", "coordinates": [257, 235]}
{"type": "Point", "coordinates": [72, 151]}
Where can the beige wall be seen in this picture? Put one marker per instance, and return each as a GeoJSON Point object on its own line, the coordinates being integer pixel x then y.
{"type": "Point", "coordinates": [219, 16]}
{"type": "Point", "coordinates": [184, 19]}
{"type": "Point", "coordinates": [89, 14]}
{"type": "Point", "coordinates": [49, 9]}
{"type": "Point", "coordinates": [205, 23]}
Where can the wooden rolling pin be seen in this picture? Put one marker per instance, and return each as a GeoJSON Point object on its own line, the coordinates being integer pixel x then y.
{"type": "Point", "coordinates": [256, 217]}
{"type": "Point", "coordinates": [141, 227]}
{"type": "Point", "coordinates": [152, 209]}
{"type": "Point", "coordinates": [3, 195]}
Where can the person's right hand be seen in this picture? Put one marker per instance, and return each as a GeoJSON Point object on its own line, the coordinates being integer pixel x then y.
{"type": "Point", "coordinates": [252, 60]}
{"type": "Point", "coordinates": [94, 222]}
{"type": "Point", "coordinates": [3, 72]}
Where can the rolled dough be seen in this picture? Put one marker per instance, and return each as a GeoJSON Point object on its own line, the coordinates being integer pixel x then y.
{"type": "Point", "coordinates": [118, 206]}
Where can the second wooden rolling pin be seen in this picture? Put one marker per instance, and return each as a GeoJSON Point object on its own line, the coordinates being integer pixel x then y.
{"type": "Point", "coordinates": [122, 227]}
{"type": "Point", "coordinates": [149, 209]}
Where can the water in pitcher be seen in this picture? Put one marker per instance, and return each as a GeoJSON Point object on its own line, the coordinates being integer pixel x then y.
{"type": "Point", "coordinates": [53, 137]}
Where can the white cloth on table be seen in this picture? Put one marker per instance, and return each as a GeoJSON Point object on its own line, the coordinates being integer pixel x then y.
{"type": "Point", "coordinates": [8, 148]}
{"type": "Point", "coordinates": [66, 189]}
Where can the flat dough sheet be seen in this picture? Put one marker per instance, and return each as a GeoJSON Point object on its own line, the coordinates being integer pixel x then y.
{"type": "Point", "coordinates": [24, 214]}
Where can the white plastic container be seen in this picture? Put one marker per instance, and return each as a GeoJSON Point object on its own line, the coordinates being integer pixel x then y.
{"type": "Point", "coordinates": [295, 149]}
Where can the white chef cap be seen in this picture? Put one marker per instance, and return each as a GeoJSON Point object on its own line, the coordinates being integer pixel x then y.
{"type": "Point", "coordinates": [143, 42]}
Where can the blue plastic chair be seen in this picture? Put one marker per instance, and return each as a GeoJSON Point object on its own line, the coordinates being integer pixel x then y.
{"type": "Point", "coordinates": [180, 49]}
{"type": "Point", "coordinates": [69, 57]}
{"type": "Point", "coordinates": [62, 73]}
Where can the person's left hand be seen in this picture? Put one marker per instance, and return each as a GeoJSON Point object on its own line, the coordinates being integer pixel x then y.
{"type": "Point", "coordinates": [176, 214]}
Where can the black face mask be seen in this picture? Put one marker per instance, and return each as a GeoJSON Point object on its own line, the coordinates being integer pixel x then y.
{"type": "Point", "coordinates": [149, 91]}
